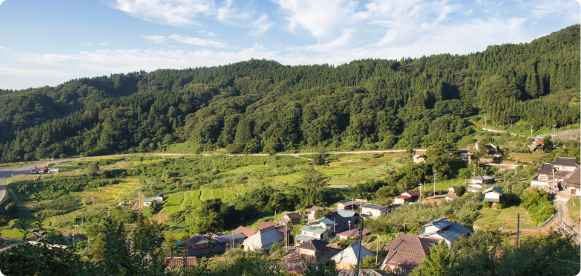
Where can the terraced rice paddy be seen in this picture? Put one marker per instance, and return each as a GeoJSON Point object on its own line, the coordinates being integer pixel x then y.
{"type": "Point", "coordinates": [173, 203]}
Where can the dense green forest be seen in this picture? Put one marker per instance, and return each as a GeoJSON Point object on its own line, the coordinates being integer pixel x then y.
{"type": "Point", "coordinates": [263, 106]}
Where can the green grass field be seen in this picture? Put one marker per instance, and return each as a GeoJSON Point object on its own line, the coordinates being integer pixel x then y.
{"type": "Point", "coordinates": [218, 193]}
{"type": "Point", "coordinates": [173, 203]}
{"type": "Point", "coordinates": [490, 218]}
{"type": "Point", "coordinates": [206, 194]}
{"type": "Point", "coordinates": [574, 208]}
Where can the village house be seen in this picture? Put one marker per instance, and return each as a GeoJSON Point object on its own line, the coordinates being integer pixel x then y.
{"type": "Point", "coordinates": [266, 224]}
{"type": "Point", "coordinates": [245, 231]}
{"type": "Point", "coordinates": [479, 181]}
{"type": "Point", "coordinates": [318, 231]}
{"type": "Point", "coordinates": [347, 205]}
{"type": "Point", "coordinates": [373, 211]}
{"type": "Point", "coordinates": [313, 210]}
{"type": "Point", "coordinates": [312, 248]}
{"type": "Point", "coordinates": [444, 229]}
{"type": "Point", "coordinates": [466, 155]}
{"type": "Point", "coordinates": [536, 145]}
{"type": "Point", "coordinates": [263, 239]}
{"type": "Point", "coordinates": [492, 194]}
{"type": "Point", "coordinates": [353, 233]}
{"type": "Point", "coordinates": [550, 175]}
{"type": "Point", "coordinates": [571, 183]}
{"type": "Point", "coordinates": [158, 198]}
{"type": "Point", "coordinates": [197, 246]}
{"type": "Point", "coordinates": [341, 223]}
{"type": "Point", "coordinates": [348, 256]}
{"type": "Point", "coordinates": [229, 240]}
{"type": "Point", "coordinates": [419, 159]}
{"type": "Point", "coordinates": [348, 215]}
{"type": "Point", "coordinates": [295, 218]}
{"type": "Point", "coordinates": [407, 197]}
{"type": "Point", "coordinates": [405, 253]}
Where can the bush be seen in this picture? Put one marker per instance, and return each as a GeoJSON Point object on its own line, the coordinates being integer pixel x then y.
{"type": "Point", "coordinates": [486, 204]}
{"type": "Point", "coordinates": [460, 190]}
{"type": "Point", "coordinates": [499, 205]}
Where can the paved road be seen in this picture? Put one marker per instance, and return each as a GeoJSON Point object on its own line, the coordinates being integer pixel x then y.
{"type": "Point", "coordinates": [562, 210]}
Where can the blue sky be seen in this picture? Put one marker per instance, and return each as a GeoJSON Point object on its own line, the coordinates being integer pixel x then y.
{"type": "Point", "coordinates": [49, 42]}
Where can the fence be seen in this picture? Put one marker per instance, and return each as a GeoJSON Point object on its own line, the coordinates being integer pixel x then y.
{"type": "Point", "coordinates": [543, 223]}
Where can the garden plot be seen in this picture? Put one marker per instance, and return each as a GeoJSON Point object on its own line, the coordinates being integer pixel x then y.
{"type": "Point", "coordinates": [173, 203]}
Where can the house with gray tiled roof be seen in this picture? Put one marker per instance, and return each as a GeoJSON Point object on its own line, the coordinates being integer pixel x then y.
{"type": "Point", "coordinates": [312, 248]}
{"type": "Point", "coordinates": [373, 211]}
{"type": "Point", "coordinates": [444, 229]}
{"type": "Point", "coordinates": [348, 256]}
{"type": "Point", "coordinates": [230, 240]}
{"type": "Point", "coordinates": [263, 239]}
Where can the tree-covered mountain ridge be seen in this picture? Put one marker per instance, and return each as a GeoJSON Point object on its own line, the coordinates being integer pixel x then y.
{"type": "Point", "coordinates": [261, 105]}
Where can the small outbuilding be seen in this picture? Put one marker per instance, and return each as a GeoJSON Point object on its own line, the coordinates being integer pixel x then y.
{"type": "Point", "coordinates": [373, 210]}
{"type": "Point", "coordinates": [492, 194]}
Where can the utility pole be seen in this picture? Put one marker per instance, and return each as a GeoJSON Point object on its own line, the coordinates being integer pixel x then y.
{"type": "Point", "coordinates": [359, 251]}
{"type": "Point", "coordinates": [531, 131]}
{"type": "Point", "coordinates": [377, 250]}
{"type": "Point", "coordinates": [554, 136]}
{"type": "Point", "coordinates": [420, 200]}
{"type": "Point", "coordinates": [435, 182]}
{"type": "Point", "coordinates": [517, 230]}
{"type": "Point", "coordinates": [516, 168]}
{"type": "Point", "coordinates": [484, 120]}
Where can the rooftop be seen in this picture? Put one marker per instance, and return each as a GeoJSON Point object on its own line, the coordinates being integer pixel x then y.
{"type": "Point", "coordinates": [565, 161]}
{"type": "Point", "coordinates": [310, 229]}
{"type": "Point", "coordinates": [230, 237]}
{"type": "Point", "coordinates": [349, 254]}
{"type": "Point", "coordinates": [314, 245]}
{"type": "Point", "coordinates": [493, 190]}
{"type": "Point", "coordinates": [353, 233]}
{"type": "Point", "coordinates": [573, 177]}
{"type": "Point", "coordinates": [246, 231]}
{"type": "Point", "coordinates": [373, 206]}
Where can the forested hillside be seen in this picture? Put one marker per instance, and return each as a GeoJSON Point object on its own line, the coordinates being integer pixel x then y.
{"type": "Point", "coordinates": [261, 105]}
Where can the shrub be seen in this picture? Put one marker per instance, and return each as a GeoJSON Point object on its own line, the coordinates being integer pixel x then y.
{"type": "Point", "coordinates": [486, 204]}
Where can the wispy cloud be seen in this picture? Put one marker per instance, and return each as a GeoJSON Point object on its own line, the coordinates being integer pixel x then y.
{"type": "Point", "coordinates": [172, 12]}
{"type": "Point", "coordinates": [155, 38]}
{"type": "Point", "coordinates": [198, 41]}
{"type": "Point", "coordinates": [261, 25]}
{"type": "Point", "coordinates": [1, 1]}
{"type": "Point", "coordinates": [207, 33]}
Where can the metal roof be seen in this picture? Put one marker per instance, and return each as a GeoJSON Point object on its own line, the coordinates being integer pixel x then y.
{"type": "Point", "coordinates": [439, 223]}
{"type": "Point", "coordinates": [450, 233]}
{"type": "Point", "coordinates": [229, 237]}
{"type": "Point", "coordinates": [373, 206]}
{"type": "Point", "coordinates": [304, 238]}
{"type": "Point", "coordinates": [310, 229]}
{"type": "Point", "coordinates": [264, 237]}
{"type": "Point", "coordinates": [349, 254]}
{"type": "Point", "coordinates": [493, 190]}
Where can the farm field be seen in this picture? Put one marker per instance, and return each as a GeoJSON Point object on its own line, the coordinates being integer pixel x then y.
{"type": "Point", "coordinates": [574, 209]}
{"type": "Point", "coordinates": [173, 204]}
{"type": "Point", "coordinates": [491, 218]}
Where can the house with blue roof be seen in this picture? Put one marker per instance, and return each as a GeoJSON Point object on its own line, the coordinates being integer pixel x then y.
{"type": "Point", "coordinates": [445, 230]}
{"type": "Point", "coordinates": [311, 232]}
{"type": "Point", "coordinates": [492, 194]}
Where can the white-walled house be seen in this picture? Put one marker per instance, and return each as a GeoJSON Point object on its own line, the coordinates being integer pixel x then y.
{"type": "Point", "coordinates": [492, 194]}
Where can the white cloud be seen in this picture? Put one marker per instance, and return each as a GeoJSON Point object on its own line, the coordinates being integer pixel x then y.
{"type": "Point", "coordinates": [321, 18]}
{"type": "Point", "coordinates": [207, 33]}
{"type": "Point", "coordinates": [84, 43]}
{"type": "Point", "coordinates": [155, 38]}
{"type": "Point", "coordinates": [102, 43]}
{"type": "Point", "coordinates": [173, 12]}
{"type": "Point", "coordinates": [198, 41]}
{"type": "Point", "coordinates": [388, 38]}
{"type": "Point", "coordinates": [261, 25]}
{"type": "Point", "coordinates": [29, 72]}
{"type": "Point", "coordinates": [227, 12]}
{"type": "Point", "coordinates": [1, 1]}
